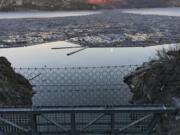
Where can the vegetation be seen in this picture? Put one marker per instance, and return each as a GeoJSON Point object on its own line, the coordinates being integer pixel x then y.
{"type": "Point", "coordinates": [10, 5]}
{"type": "Point", "coordinates": [84, 4]}
{"type": "Point", "coordinates": [158, 82]}
{"type": "Point", "coordinates": [169, 55]}
{"type": "Point", "coordinates": [142, 3]}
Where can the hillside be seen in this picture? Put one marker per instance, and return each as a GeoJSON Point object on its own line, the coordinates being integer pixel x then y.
{"type": "Point", "coordinates": [13, 5]}
{"type": "Point", "coordinates": [83, 4]}
{"type": "Point", "coordinates": [133, 3]}
{"type": "Point", "coordinates": [15, 90]}
{"type": "Point", "coordinates": [142, 3]}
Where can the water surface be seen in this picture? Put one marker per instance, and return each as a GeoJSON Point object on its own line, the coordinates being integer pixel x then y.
{"type": "Point", "coordinates": [155, 11]}
{"type": "Point", "coordinates": [89, 89]}
{"type": "Point", "coordinates": [42, 55]}
{"type": "Point", "coordinates": [93, 86]}
{"type": "Point", "coordinates": [44, 14]}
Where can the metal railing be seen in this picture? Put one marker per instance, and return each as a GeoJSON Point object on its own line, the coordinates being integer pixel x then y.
{"type": "Point", "coordinates": [124, 120]}
{"type": "Point", "coordinates": [88, 100]}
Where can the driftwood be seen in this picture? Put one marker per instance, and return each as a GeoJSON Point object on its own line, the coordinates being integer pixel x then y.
{"type": "Point", "coordinates": [71, 53]}
{"type": "Point", "coordinates": [66, 47]}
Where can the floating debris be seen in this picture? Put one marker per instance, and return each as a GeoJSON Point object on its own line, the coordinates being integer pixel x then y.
{"type": "Point", "coordinates": [66, 47]}
{"type": "Point", "coordinates": [76, 51]}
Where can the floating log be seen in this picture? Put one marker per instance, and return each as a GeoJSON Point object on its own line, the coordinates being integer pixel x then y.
{"type": "Point", "coordinates": [66, 47]}
{"type": "Point", "coordinates": [71, 53]}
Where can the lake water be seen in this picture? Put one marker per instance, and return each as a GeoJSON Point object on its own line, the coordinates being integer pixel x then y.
{"type": "Point", "coordinates": [155, 11]}
{"type": "Point", "coordinates": [43, 56]}
{"type": "Point", "coordinates": [85, 86]}
{"type": "Point", "coordinates": [74, 86]}
{"type": "Point", "coordinates": [43, 14]}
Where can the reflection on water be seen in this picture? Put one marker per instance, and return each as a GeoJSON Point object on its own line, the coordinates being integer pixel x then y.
{"type": "Point", "coordinates": [42, 55]}
{"type": "Point", "coordinates": [43, 14]}
{"type": "Point", "coordinates": [111, 50]}
{"type": "Point", "coordinates": [78, 86]}
{"type": "Point", "coordinates": [155, 11]}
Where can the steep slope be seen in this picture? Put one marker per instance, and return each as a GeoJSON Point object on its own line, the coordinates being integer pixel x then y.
{"type": "Point", "coordinates": [14, 88]}
{"type": "Point", "coordinates": [158, 82]}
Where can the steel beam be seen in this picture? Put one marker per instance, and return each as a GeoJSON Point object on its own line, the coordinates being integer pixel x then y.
{"type": "Point", "coordinates": [120, 109]}
{"type": "Point", "coordinates": [112, 123]}
{"type": "Point", "coordinates": [136, 122]}
{"type": "Point", "coordinates": [34, 124]}
{"type": "Point", "coordinates": [53, 122]}
{"type": "Point", "coordinates": [73, 124]}
{"type": "Point", "coordinates": [92, 122]}
{"type": "Point", "coordinates": [13, 125]}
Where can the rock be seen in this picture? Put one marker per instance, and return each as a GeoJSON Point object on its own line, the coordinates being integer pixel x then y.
{"type": "Point", "coordinates": [15, 90]}
{"type": "Point", "coordinates": [158, 82]}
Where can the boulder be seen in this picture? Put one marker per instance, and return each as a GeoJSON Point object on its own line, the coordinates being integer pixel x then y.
{"type": "Point", "coordinates": [158, 82]}
{"type": "Point", "coordinates": [15, 90]}
{"type": "Point", "coordinates": [155, 83]}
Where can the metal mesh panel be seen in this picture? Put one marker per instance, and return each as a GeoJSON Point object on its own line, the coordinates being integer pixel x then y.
{"type": "Point", "coordinates": [122, 120]}
{"type": "Point", "coordinates": [102, 126]}
{"type": "Point", "coordinates": [45, 126]}
{"type": "Point", "coordinates": [21, 119]}
{"type": "Point", "coordinates": [58, 89]}
{"type": "Point", "coordinates": [79, 86]}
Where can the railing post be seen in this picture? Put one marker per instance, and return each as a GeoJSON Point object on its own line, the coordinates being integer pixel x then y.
{"type": "Point", "coordinates": [112, 123]}
{"type": "Point", "coordinates": [73, 124]}
{"type": "Point", "coordinates": [33, 124]}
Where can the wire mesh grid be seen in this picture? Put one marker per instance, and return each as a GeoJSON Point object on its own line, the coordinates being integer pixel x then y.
{"type": "Point", "coordinates": [101, 123]}
{"type": "Point", "coordinates": [123, 119]}
{"type": "Point", "coordinates": [87, 86]}
{"type": "Point", "coordinates": [21, 119]}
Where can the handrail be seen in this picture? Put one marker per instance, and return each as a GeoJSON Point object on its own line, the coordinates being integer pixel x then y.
{"type": "Point", "coordinates": [154, 109]}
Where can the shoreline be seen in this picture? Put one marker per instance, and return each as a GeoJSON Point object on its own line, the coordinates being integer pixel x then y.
{"type": "Point", "coordinates": [24, 9]}
{"type": "Point", "coordinates": [111, 28]}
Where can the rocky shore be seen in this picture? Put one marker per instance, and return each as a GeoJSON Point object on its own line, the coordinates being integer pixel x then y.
{"type": "Point", "coordinates": [111, 28]}
{"type": "Point", "coordinates": [15, 90]}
